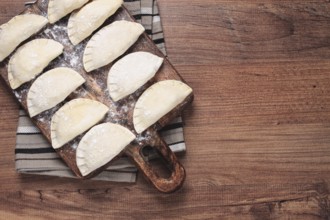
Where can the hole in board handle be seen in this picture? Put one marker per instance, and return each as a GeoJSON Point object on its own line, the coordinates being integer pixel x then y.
{"type": "Point", "coordinates": [156, 161]}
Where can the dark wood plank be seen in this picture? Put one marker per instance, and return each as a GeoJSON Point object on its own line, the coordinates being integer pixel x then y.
{"type": "Point", "coordinates": [236, 32]}
{"type": "Point", "coordinates": [257, 133]}
{"type": "Point", "coordinates": [261, 201]}
{"type": "Point", "coordinates": [9, 9]}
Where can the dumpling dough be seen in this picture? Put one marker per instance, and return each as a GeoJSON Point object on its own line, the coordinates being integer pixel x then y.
{"type": "Point", "coordinates": [157, 101]}
{"type": "Point", "coordinates": [89, 18]}
{"type": "Point", "coordinates": [74, 118]}
{"type": "Point", "coordinates": [131, 72]}
{"type": "Point", "coordinates": [110, 43]}
{"type": "Point", "coordinates": [17, 30]}
{"type": "Point", "coordinates": [57, 9]}
{"type": "Point", "coordinates": [100, 145]}
{"type": "Point", "coordinates": [30, 60]}
{"type": "Point", "coordinates": [52, 88]}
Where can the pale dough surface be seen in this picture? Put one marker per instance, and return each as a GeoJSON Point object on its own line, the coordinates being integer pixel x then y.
{"type": "Point", "coordinates": [74, 118]}
{"type": "Point", "coordinates": [157, 101]}
{"type": "Point", "coordinates": [30, 60]}
{"type": "Point", "coordinates": [89, 18]}
{"type": "Point", "coordinates": [51, 88]}
{"type": "Point", "coordinates": [17, 30]}
{"type": "Point", "coordinates": [100, 145]}
{"type": "Point", "coordinates": [131, 72]}
{"type": "Point", "coordinates": [57, 9]}
{"type": "Point", "coordinates": [110, 43]}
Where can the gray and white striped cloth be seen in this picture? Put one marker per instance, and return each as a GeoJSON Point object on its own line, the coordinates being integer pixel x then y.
{"type": "Point", "coordinates": [34, 155]}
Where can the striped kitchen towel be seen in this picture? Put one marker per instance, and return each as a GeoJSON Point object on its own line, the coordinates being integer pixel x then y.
{"type": "Point", "coordinates": [34, 155]}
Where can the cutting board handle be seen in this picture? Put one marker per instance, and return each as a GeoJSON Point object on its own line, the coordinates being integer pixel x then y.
{"type": "Point", "coordinates": [165, 185]}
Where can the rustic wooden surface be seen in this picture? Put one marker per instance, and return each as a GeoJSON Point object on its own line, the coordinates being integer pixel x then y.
{"type": "Point", "coordinates": [258, 133]}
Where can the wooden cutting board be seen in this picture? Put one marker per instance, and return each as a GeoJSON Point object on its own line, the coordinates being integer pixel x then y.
{"type": "Point", "coordinates": [95, 88]}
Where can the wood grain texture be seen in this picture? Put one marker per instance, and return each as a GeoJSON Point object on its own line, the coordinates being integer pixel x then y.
{"type": "Point", "coordinates": [258, 133]}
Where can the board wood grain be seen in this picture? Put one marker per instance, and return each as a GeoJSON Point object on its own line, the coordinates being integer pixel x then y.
{"type": "Point", "coordinates": [258, 132]}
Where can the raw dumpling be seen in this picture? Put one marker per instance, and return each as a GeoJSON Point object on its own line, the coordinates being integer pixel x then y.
{"type": "Point", "coordinates": [52, 88]}
{"type": "Point", "coordinates": [30, 60]}
{"type": "Point", "coordinates": [57, 9]}
{"type": "Point", "coordinates": [74, 118]}
{"type": "Point", "coordinates": [100, 145]}
{"type": "Point", "coordinates": [131, 72]}
{"type": "Point", "coordinates": [89, 18]}
{"type": "Point", "coordinates": [110, 43]}
{"type": "Point", "coordinates": [157, 101]}
{"type": "Point", "coordinates": [17, 30]}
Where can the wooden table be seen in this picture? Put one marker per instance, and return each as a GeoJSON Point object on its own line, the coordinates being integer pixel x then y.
{"type": "Point", "coordinates": [258, 132]}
